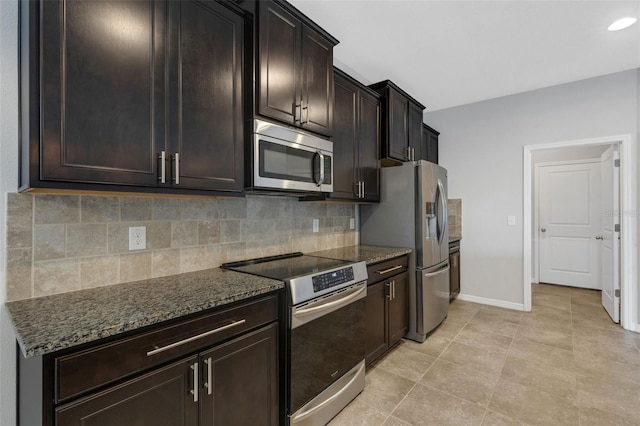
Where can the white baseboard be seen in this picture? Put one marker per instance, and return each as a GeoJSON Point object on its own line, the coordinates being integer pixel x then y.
{"type": "Point", "coordinates": [634, 327]}
{"type": "Point", "coordinates": [491, 302]}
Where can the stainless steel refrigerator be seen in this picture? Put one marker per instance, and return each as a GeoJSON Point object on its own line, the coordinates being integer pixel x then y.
{"type": "Point", "coordinates": [413, 213]}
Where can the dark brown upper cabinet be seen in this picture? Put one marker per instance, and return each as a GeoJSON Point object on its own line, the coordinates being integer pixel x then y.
{"type": "Point", "coordinates": [132, 96]}
{"type": "Point", "coordinates": [430, 143]}
{"type": "Point", "coordinates": [401, 124]}
{"type": "Point", "coordinates": [294, 82]}
{"type": "Point", "coordinates": [356, 141]}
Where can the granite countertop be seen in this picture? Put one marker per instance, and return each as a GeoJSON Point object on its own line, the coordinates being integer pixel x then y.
{"type": "Point", "coordinates": [368, 254]}
{"type": "Point", "coordinates": [51, 323]}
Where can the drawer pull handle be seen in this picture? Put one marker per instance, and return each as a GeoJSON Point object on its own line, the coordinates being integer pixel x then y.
{"type": "Point", "coordinates": [386, 271]}
{"type": "Point", "coordinates": [199, 336]}
{"type": "Point", "coordinates": [196, 376]}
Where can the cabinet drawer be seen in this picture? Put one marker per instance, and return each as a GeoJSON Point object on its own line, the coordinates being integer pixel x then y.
{"type": "Point", "coordinates": [388, 268]}
{"type": "Point", "coordinates": [91, 368]}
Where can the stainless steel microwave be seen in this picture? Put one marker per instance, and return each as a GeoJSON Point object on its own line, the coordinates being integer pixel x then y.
{"type": "Point", "coordinates": [291, 160]}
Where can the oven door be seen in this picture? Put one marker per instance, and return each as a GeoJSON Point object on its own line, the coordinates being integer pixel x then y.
{"type": "Point", "coordinates": [286, 165]}
{"type": "Point", "coordinates": [327, 341]}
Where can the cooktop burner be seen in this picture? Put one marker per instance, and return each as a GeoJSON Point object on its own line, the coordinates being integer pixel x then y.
{"type": "Point", "coordinates": [306, 277]}
{"type": "Point", "coordinates": [286, 266]}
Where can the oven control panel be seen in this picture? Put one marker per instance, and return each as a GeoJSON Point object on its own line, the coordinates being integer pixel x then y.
{"type": "Point", "coordinates": [332, 279]}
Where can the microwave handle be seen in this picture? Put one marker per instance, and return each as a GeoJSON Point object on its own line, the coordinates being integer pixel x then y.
{"type": "Point", "coordinates": [320, 168]}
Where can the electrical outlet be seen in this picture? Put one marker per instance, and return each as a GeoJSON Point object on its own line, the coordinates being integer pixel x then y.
{"type": "Point", "coordinates": [352, 223]}
{"type": "Point", "coordinates": [511, 220]}
{"type": "Point", "coordinates": [316, 225]}
{"type": "Point", "coordinates": [137, 237]}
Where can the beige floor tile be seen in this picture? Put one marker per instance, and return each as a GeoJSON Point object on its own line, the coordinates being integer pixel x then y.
{"type": "Point", "coordinates": [491, 418]}
{"type": "Point", "coordinates": [531, 405]}
{"type": "Point", "coordinates": [502, 313]}
{"type": "Point", "coordinates": [619, 397]}
{"type": "Point", "coordinates": [359, 414]}
{"type": "Point", "coordinates": [428, 406]}
{"type": "Point", "coordinates": [483, 359]}
{"type": "Point", "coordinates": [624, 354]}
{"type": "Point", "coordinates": [450, 325]}
{"type": "Point", "coordinates": [479, 338]}
{"type": "Point", "coordinates": [384, 390]}
{"type": "Point", "coordinates": [589, 321]}
{"type": "Point", "coordinates": [552, 300]}
{"type": "Point", "coordinates": [541, 354]}
{"type": "Point", "coordinates": [406, 363]}
{"type": "Point", "coordinates": [607, 337]}
{"type": "Point", "coordinates": [607, 370]}
{"type": "Point", "coordinates": [471, 384]}
{"type": "Point", "coordinates": [495, 322]}
{"type": "Point", "coordinates": [433, 346]}
{"type": "Point", "coordinates": [554, 289]}
{"type": "Point", "coordinates": [594, 417]}
{"type": "Point", "coordinates": [548, 313]}
{"type": "Point", "coordinates": [558, 337]}
{"type": "Point", "coordinates": [553, 380]}
{"type": "Point", "coordinates": [394, 421]}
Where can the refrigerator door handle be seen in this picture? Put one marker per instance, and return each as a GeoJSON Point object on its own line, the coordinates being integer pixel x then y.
{"type": "Point", "coordinates": [438, 272]}
{"type": "Point", "coordinates": [443, 201]}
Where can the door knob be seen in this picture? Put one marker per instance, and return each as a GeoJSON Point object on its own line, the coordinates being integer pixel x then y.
{"type": "Point", "coordinates": [543, 229]}
{"type": "Point", "coordinates": [599, 237]}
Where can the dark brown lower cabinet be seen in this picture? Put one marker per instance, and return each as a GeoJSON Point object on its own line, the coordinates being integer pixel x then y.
{"type": "Point", "coordinates": [387, 307]}
{"type": "Point", "coordinates": [160, 398]}
{"type": "Point", "coordinates": [235, 383]}
{"type": "Point", "coordinates": [244, 381]}
{"type": "Point", "coordinates": [218, 368]}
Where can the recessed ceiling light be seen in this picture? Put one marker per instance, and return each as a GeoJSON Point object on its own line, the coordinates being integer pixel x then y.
{"type": "Point", "coordinates": [621, 24]}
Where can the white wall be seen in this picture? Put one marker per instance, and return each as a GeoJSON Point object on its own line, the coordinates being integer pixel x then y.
{"type": "Point", "coordinates": [8, 183]}
{"type": "Point", "coordinates": [481, 145]}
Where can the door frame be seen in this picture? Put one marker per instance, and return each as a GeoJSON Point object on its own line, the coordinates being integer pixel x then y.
{"type": "Point", "coordinates": [535, 275]}
{"type": "Point", "coordinates": [628, 221]}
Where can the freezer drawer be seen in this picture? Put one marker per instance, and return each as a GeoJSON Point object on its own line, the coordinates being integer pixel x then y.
{"type": "Point", "coordinates": [432, 288]}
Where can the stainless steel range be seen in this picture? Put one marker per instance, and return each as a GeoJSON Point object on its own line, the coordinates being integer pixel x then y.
{"type": "Point", "coordinates": [326, 331]}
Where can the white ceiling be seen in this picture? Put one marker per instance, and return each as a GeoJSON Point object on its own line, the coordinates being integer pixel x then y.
{"type": "Point", "coordinates": [449, 53]}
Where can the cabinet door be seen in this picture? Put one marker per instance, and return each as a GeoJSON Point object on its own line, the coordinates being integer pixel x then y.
{"type": "Point", "coordinates": [102, 93]}
{"type": "Point", "coordinates": [376, 327]}
{"type": "Point", "coordinates": [415, 131]}
{"type": "Point", "coordinates": [241, 379]}
{"type": "Point", "coordinates": [426, 135]}
{"type": "Point", "coordinates": [397, 135]}
{"type": "Point", "coordinates": [345, 140]}
{"type": "Point", "coordinates": [206, 96]}
{"type": "Point", "coordinates": [160, 398]}
{"type": "Point", "coordinates": [432, 147]}
{"type": "Point", "coordinates": [279, 35]}
{"type": "Point", "coordinates": [369, 146]}
{"type": "Point", "coordinates": [398, 311]}
{"type": "Point", "coordinates": [317, 83]}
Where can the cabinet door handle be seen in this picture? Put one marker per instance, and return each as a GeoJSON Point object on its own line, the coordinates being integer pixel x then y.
{"type": "Point", "coordinates": [390, 292]}
{"type": "Point", "coordinates": [386, 271]}
{"type": "Point", "coordinates": [194, 391]}
{"type": "Point", "coordinates": [208, 383]}
{"type": "Point", "coordinates": [199, 336]}
{"type": "Point", "coordinates": [163, 166]}
{"type": "Point", "coordinates": [409, 153]}
{"type": "Point", "coordinates": [362, 195]}
{"type": "Point", "coordinates": [393, 289]}
{"type": "Point", "coordinates": [176, 159]}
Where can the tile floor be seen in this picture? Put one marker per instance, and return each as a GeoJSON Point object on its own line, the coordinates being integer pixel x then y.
{"type": "Point", "coordinates": [564, 363]}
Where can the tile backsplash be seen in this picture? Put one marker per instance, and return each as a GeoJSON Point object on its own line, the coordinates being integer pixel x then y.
{"type": "Point", "coordinates": [454, 216]}
{"type": "Point", "coordinates": [61, 243]}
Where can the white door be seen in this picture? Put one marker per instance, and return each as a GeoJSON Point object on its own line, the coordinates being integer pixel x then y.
{"type": "Point", "coordinates": [609, 240]}
{"type": "Point", "coordinates": [569, 221]}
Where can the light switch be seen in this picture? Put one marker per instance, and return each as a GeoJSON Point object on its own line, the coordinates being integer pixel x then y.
{"type": "Point", "coordinates": [352, 223]}
{"type": "Point", "coordinates": [511, 220]}
{"type": "Point", "coordinates": [316, 225]}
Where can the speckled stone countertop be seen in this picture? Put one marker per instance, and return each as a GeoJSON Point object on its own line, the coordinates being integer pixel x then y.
{"type": "Point", "coordinates": [48, 324]}
{"type": "Point", "coordinates": [368, 254]}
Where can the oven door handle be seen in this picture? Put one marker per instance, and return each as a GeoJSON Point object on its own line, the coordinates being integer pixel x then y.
{"type": "Point", "coordinates": [300, 316]}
